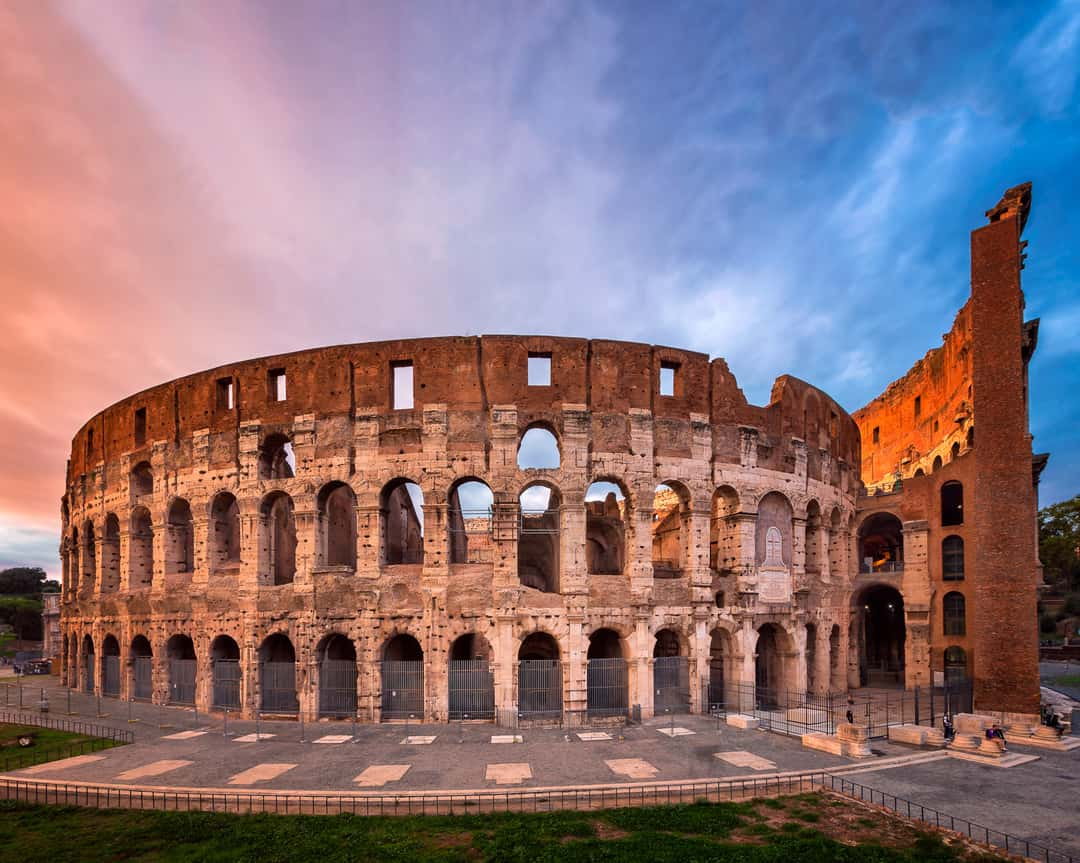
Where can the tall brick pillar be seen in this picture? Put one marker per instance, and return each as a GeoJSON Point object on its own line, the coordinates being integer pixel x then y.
{"type": "Point", "coordinates": [1003, 504]}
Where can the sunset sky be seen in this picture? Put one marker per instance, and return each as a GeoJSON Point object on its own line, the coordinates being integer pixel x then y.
{"type": "Point", "coordinates": [789, 186]}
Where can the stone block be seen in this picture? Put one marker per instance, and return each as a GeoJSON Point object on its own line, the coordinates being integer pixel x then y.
{"type": "Point", "coordinates": [741, 720]}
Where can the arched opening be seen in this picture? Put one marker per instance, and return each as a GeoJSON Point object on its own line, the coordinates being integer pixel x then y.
{"type": "Point", "coordinates": [89, 559]}
{"type": "Point", "coordinates": [670, 525]}
{"type": "Point", "coordinates": [74, 560]}
{"type": "Point", "coordinates": [811, 657]}
{"type": "Point", "coordinates": [936, 466]}
{"type": "Point", "coordinates": [920, 472]}
{"type": "Point", "coordinates": [952, 558]}
{"type": "Point", "coordinates": [471, 682]}
{"type": "Point", "coordinates": [141, 549]}
{"type": "Point", "coordinates": [402, 511]}
{"type": "Point", "coordinates": [719, 658]}
{"type": "Point", "coordinates": [65, 662]}
{"type": "Point", "coordinates": [180, 651]}
{"type": "Point", "coordinates": [142, 669]}
{"type": "Point", "coordinates": [278, 528]}
{"type": "Point", "coordinates": [538, 450]}
{"type": "Point", "coordinates": [110, 555]}
{"type": "Point", "coordinates": [671, 674]}
{"type": "Point", "coordinates": [607, 692]}
{"type": "Point", "coordinates": [225, 672]}
{"type": "Point", "coordinates": [955, 665]}
{"type": "Point", "coordinates": [878, 621]}
{"type": "Point", "coordinates": [723, 531]}
{"type": "Point", "coordinates": [773, 533]}
{"type": "Point", "coordinates": [836, 661]}
{"type": "Point", "coordinates": [952, 504]}
{"type": "Point", "coordinates": [837, 545]}
{"type": "Point", "coordinates": [276, 458]}
{"type": "Point", "coordinates": [142, 479]}
{"type": "Point", "coordinates": [337, 525]}
{"type": "Point", "coordinates": [772, 667]}
{"type": "Point", "coordinates": [815, 552]}
{"type": "Point", "coordinates": [110, 667]}
{"type": "Point", "coordinates": [971, 437]}
{"type": "Point", "coordinates": [179, 539]}
{"type": "Point", "coordinates": [881, 544]}
{"type": "Point", "coordinates": [471, 503]}
{"type": "Point", "coordinates": [538, 538]}
{"type": "Point", "coordinates": [88, 664]}
{"type": "Point", "coordinates": [954, 451]}
{"type": "Point", "coordinates": [337, 676]}
{"type": "Point", "coordinates": [277, 675]}
{"type": "Point", "coordinates": [225, 534]}
{"type": "Point", "coordinates": [539, 677]}
{"type": "Point", "coordinates": [402, 673]}
{"type": "Point", "coordinates": [954, 613]}
{"type": "Point", "coordinates": [605, 528]}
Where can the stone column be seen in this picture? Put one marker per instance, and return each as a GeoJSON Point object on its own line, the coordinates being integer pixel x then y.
{"type": "Point", "coordinates": [640, 662]}
{"type": "Point", "coordinates": [917, 595]}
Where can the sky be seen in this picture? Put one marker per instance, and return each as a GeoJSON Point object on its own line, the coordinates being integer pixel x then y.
{"type": "Point", "coordinates": [788, 186]}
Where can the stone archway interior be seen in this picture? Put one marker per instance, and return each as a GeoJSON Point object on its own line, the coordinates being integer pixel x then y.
{"type": "Point", "coordinates": [881, 634]}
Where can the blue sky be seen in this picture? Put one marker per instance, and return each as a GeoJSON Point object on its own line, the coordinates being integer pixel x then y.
{"type": "Point", "coordinates": [789, 186]}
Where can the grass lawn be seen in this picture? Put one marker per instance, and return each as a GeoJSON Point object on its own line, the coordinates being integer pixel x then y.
{"type": "Point", "coordinates": [821, 828]}
{"type": "Point", "coordinates": [49, 744]}
{"type": "Point", "coordinates": [1065, 680]}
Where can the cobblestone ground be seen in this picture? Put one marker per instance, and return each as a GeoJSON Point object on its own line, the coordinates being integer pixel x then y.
{"type": "Point", "coordinates": [175, 748]}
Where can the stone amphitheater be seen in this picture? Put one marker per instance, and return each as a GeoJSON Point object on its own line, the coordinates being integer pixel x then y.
{"type": "Point", "coordinates": [454, 527]}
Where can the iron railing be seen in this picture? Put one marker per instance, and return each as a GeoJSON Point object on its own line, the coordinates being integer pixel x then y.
{"type": "Point", "coordinates": [471, 692]}
{"type": "Point", "coordinates": [142, 678]}
{"type": "Point", "coordinates": [540, 689]}
{"type": "Point", "coordinates": [606, 688]}
{"type": "Point", "coordinates": [671, 685]}
{"type": "Point", "coordinates": [100, 737]}
{"type": "Point", "coordinates": [402, 689]}
{"type": "Point", "coordinates": [277, 687]}
{"type": "Point", "coordinates": [226, 684]}
{"type": "Point", "coordinates": [182, 681]}
{"type": "Point", "coordinates": [110, 676]}
{"type": "Point", "coordinates": [337, 688]}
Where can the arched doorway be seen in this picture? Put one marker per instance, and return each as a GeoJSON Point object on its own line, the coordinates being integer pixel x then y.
{"type": "Point", "coordinates": [771, 666]}
{"type": "Point", "coordinates": [225, 665]}
{"type": "Point", "coordinates": [539, 677]}
{"type": "Point", "coordinates": [606, 675]}
{"type": "Point", "coordinates": [719, 657]}
{"type": "Point", "coordinates": [110, 667]}
{"type": "Point", "coordinates": [879, 633]}
{"type": "Point", "coordinates": [402, 673]}
{"type": "Point", "coordinates": [181, 655]}
{"type": "Point", "coordinates": [671, 675]}
{"type": "Point", "coordinates": [881, 544]}
{"type": "Point", "coordinates": [277, 675]}
{"type": "Point", "coordinates": [471, 683]}
{"type": "Point", "coordinates": [337, 676]}
{"type": "Point", "coordinates": [88, 665]}
{"type": "Point", "coordinates": [142, 669]}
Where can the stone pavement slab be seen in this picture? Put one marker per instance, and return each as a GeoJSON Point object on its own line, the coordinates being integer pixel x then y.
{"type": "Point", "coordinates": [633, 768]}
{"type": "Point", "coordinates": [593, 736]}
{"type": "Point", "coordinates": [419, 740]}
{"type": "Point", "coordinates": [260, 773]}
{"type": "Point", "coordinates": [63, 764]}
{"type": "Point", "coordinates": [746, 759]}
{"type": "Point", "coordinates": [334, 738]}
{"type": "Point", "coordinates": [184, 735]}
{"type": "Point", "coordinates": [253, 738]}
{"type": "Point", "coordinates": [154, 768]}
{"type": "Point", "coordinates": [508, 774]}
{"type": "Point", "coordinates": [676, 732]}
{"type": "Point", "coordinates": [378, 775]}
{"type": "Point", "coordinates": [506, 738]}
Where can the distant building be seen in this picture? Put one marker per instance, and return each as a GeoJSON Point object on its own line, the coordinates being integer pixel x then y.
{"type": "Point", "coordinates": [50, 624]}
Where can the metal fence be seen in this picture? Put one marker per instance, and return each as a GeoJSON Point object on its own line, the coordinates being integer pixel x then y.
{"type": "Point", "coordinates": [277, 687]}
{"type": "Point", "coordinates": [337, 687]}
{"type": "Point", "coordinates": [142, 678]}
{"type": "Point", "coordinates": [402, 689]}
{"type": "Point", "coordinates": [540, 689]}
{"type": "Point", "coordinates": [88, 673]}
{"type": "Point", "coordinates": [671, 685]}
{"type": "Point", "coordinates": [606, 687]}
{"type": "Point", "coordinates": [799, 712]}
{"type": "Point", "coordinates": [182, 681]}
{"type": "Point", "coordinates": [471, 690]}
{"type": "Point", "coordinates": [100, 737]}
{"type": "Point", "coordinates": [226, 684]}
{"type": "Point", "coordinates": [110, 676]}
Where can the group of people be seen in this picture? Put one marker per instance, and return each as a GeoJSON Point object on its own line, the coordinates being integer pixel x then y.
{"type": "Point", "coordinates": [995, 732]}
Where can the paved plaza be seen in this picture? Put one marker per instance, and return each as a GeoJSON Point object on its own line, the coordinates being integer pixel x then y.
{"type": "Point", "coordinates": [174, 748]}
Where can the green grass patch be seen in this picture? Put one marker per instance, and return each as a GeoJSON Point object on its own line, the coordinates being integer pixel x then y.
{"type": "Point", "coordinates": [1066, 680]}
{"type": "Point", "coordinates": [675, 834]}
{"type": "Point", "coordinates": [48, 744]}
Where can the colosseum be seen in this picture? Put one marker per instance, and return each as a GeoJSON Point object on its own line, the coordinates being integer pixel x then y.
{"type": "Point", "coordinates": [478, 527]}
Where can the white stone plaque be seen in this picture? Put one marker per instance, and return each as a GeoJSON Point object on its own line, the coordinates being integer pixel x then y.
{"type": "Point", "coordinates": [774, 585]}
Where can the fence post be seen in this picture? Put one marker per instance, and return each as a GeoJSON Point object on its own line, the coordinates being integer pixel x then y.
{"type": "Point", "coordinates": [225, 728]}
{"type": "Point", "coordinates": [18, 683]}
{"type": "Point", "coordinates": [916, 705]}
{"type": "Point", "coordinates": [301, 715]}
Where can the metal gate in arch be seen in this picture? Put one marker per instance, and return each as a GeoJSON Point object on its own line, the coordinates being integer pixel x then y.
{"type": "Point", "coordinates": [110, 676]}
{"type": "Point", "coordinates": [277, 687]}
{"type": "Point", "coordinates": [671, 685]}
{"type": "Point", "coordinates": [540, 689]}
{"type": "Point", "coordinates": [402, 689]}
{"type": "Point", "coordinates": [226, 680]}
{"type": "Point", "coordinates": [142, 677]}
{"type": "Point", "coordinates": [471, 689]}
{"type": "Point", "coordinates": [337, 687]}
{"type": "Point", "coordinates": [606, 687]}
{"type": "Point", "coordinates": [182, 681]}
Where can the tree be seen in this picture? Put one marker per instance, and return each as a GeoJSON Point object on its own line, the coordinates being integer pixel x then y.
{"type": "Point", "coordinates": [1059, 544]}
{"type": "Point", "coordinates": [22, 580]}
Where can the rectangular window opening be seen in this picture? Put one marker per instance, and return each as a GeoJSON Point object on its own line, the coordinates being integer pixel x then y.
{"type": "Point", "coordinates": [667, 378]}
{"type": "Point", "coordinates": [539, 370]}
{"type": "Point", "coordinates": [89, 443]}
{"type": "Point", "coordinates": [226, 400]}
{"type": "Point", "coordinates": [877, 434]}
{"type": "Point", "coordinates": [918, 406]}
{"type": "Point", "coordinates": [276, 385]}
{"type": "Point", "coordinates": [402, 386]}
{"type": "Point", "coordinates": [140, 426]}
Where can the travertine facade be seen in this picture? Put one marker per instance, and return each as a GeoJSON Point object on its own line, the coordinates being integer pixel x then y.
{"type": "Point", "coordinates": [313, 531]}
